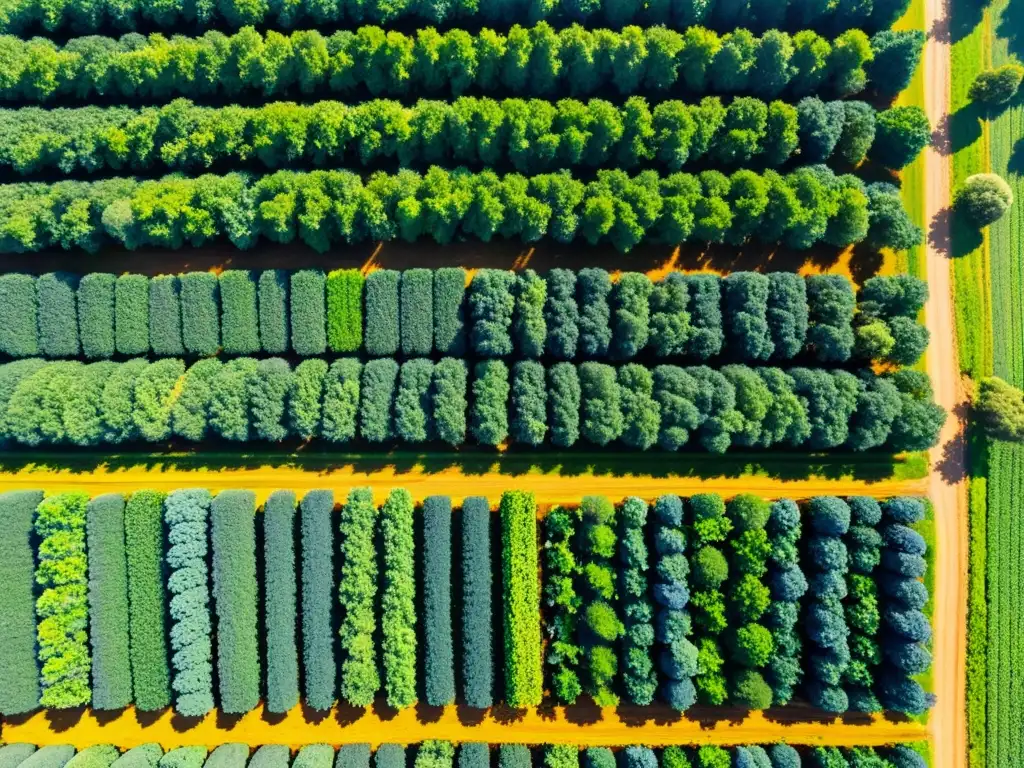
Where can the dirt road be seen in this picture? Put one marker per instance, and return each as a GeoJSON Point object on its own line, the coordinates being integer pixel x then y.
{"type": "Point", "coordinates": [591, 727]}
{"type": "Point", "coordinates": [947, 486]}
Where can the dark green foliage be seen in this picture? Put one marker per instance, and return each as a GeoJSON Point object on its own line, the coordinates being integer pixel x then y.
{"type": "Point", "coordinates": [357, 587]}
{"type": "Point", "coordinates": [318, 663]}
{"type": "Point", "coordinates": [600, 403]}
{"type": "Point", "coordinates": [593, 288]}
{"type": "Point", "coordinates": [341, 400]}
{"type": "Point", "coordinates": [147, 600]}
{"type": "Point", "coordinates": [639, 677]}
{"type": "Point", "coordinates": [529, 325]}
{"type": "Point", "coordinates": [190, 412]}
{"type": "Point", "coordinates": [417, 312]}
{"type": "Point", "coordinates": [992, 87]}
{"type": "Point", "coordinates": [598, 757]}
{"type": "Point", "coordinates": [345, 310]}
{"type": "Point", "coordinates": [186, 514]}
{"type": "Point", "coordinates": [831, 304]}
{"type": "Point", "coordinates": [821, 126]}
{"type": "Point", "coordinates": [382, 312]}
{"type": "Point", "coordinates": [705, 336]}
{"type": "Point", "coordinates": [279, 604]}
{"type": "Point", "coordinates": [561, 314]}
{"type": "Point", "coordinates": [19, 673]}
{"type": "Point", "coordinates": [306, 398]}
{"type": "Point", "coordinates": [398, 597]}
{"type": "Point", "coordinates": [18, 315]}
{"type": "Point", "coordinates": [414, 421]}
{"type": "Point", "coordinates": [474, 755]}
{"type": "Point", "coordinates": [489, 418]}
{"type": "Point", "coordinates": [439, 664]}
{"type": "Point", "coordinates": [563, 603]}
{"type": "Point", "coordinates": [564, 398]}
{"type": "Point", "coordinates": [233, 537]}
{"type": "Point", "coordinates": [902, 132]}
{"type": "Point", "coordinates": [477, 643]}
{"type": "Point", "coordinates": [858, 132]}
{"type": "Point", "coordinates": [272, 291]}
{"type": "Point", "coordinates": [308, 312]}
{"type": "Point", "coordinates": [108, 602]}
{"type": "Point", "coordinates": [230, 398]}
{"type": "Point", "coordinates": [200, 313]}
{"type": "Point", "coordinates": [268, 399]}
{"type": "Point", "coordinates": [529, 403]}
{"type": "Point", "coordinates": [514, 756]}
{"type": "Point", "coordinates": [239, 317]}
{"type": "Point", "coordinates": [748, 334]}
{"type": "Point", "coordinates": [449, 395]}
{"type": "Point", "coordinates": [58, 316]}
{"type": "Point", "coordinates": [95, 314]}
{"type": "Point", "coordinates": [353, 756]}
{"type": "Point", "coordinates": [376, 408]}
{"type": "Point", "coordinates": [630, 315]}
{"type": "Point", "coordinates": [491, 305]}
{"type": "Point", "coordinates": [521, 600]}
{"type": "Point", "coordinates": [787, 313]}
{"type": "Point", "coordinates": [641, 415]}
{"type": "Point", "coordinates": [983, 199]}
{"type": "Point", "coordinates": [164, 316]}
{"type": "Point", "coordinates": [449, 311]}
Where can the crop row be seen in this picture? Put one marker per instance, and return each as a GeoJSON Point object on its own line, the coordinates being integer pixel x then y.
{"type": "Point", "coordinates": [531, 136]}
{"type": "Point", "coordinates": [527, 61]}
{"type": "Point", "coordinates": [85, 16]}
{"type": "Point", "coordinates": [442, 754]}
{"type": "Point", "coordinates": [735, 585]}
{"type": "Point", "coordinates": [564, 315]}
{"type": "Point", "coordinates": [382, 403]}
{"type": "Point", "coordinates": [806, 207]}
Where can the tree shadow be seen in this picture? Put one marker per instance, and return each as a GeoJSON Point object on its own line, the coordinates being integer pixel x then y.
{"type": "Point", "coordinates": [470, 716]}
{"type": "Point", "coordinates": [964, 16]}
{"type": "Point", "coordinates": [107, 716]}
{"type": "Point", "coordinates": [383, 710]}
{"type": "Point", "coordinates": [1011, 27]}
{"type": "Point", "coordinates": [61, 720]}
{"type": "Point", "coordinates": [964, 236]}
{"type": "Point", "coordinates": [346, 714]}
{"type": "Point", "coordinates": [226, 721]}
{"type": "Point", "coordinates": [182, 723]}
{"type": "Point", "coordinates": [311, 715]}
{"type": "Point", "coordinates": [964, 127]}
{"type": "Point", "coordinates": [506, 715]}
{"type": "Point", "coordinates": [952, 467]}
{"type": "Point", "coordinates": [583, 712]}
{"type": "Point", "coordinates": [428, 713]}
{"type": "Point", "coordinates": [1016, 163]}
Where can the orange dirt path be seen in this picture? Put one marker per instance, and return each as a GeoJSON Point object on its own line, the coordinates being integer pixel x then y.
{"type": "Point", "coordinates": [551, 481]}
{"type": "Point", "coordinates": [592, 727]}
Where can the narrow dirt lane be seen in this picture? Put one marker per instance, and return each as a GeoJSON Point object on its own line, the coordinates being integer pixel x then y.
{"type": "Point", "coordinates": [947, 486]}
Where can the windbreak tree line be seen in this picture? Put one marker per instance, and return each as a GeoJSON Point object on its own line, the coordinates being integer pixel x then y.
{"type": "Point", "coordinates": [560, 314]}
{"type": "Point", "coordinates": [525, 61]}
{"type": "Point", "coordinates": [808, 206]}
{"type": "Point", "coordinates": [419, 402]}
{"type": "Point", "coordinates": [531, 136]}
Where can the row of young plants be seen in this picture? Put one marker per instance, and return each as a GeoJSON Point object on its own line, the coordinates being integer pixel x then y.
{"type": "Point", "coordinates": [525, 61]}
{"type": "Point", "coordinates": [528, 135]}
{"type": "Point", "coordinates": [449, 403]}
{"type": "Point", "coordinates": [82, 16]}
{"type": "Point", "coordinates": [805, 207]}
{"type": "Point", "coordinates": [690, 599]}
{"type": "Point", "coordinates": [443, 754]}
{"type": "Point", "coordinates": [560, 314]}
{"type": "Point", "coordinates": [737, 587]}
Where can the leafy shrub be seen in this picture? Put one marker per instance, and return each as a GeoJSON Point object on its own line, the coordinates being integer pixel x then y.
{"type": "Point", "coordinates": [449, 395]}
{"type": "Point", "coordinates": [389, 756]}
{"type": "Point", "coordinates": [376, 408]}
{"type": "Point", "coordinates": [233, 536]}
{"type": "Point", "coordinates": [228, 756]}
{"type": "Point", "coordinates": [513, 756]}
{"type": "Point", "coordinates": [19, 673]}
{"type": "Point", "coordinates": [562, 601]}
{"type": "Point", "coordinates": [353, 756]}
{"type": "Point", "coordinates": [308, 312]}
{"type": "Point", "coordinates": [639, 678]}
{"type": "Point", "coordinates": [435, 754]}
{"type": "Point", "coordinates": [239, 317]}
{"type": "Point", "coordinates": [58, 317]}
{"type": "Point", "coordinates": [142, 756]}
{"type": "Point", "coordinates": [108, 602]}
{"type": "Point", "coordinates": [631, 315]}
{"type": "Point", "coordinates": [52, 756]}
{"type": "Point", "coordinates": [19, 319]}
{"type": "Point", "coordinates": [131, 315]}
{"type": "Point", "coordinates": [561, 314]}
{"type": "Point", "coordinates": [491, 305]}
{"type": "Point", "coordinates": [200, 313]}
{"type": "Point", "coordinates": [640, 411]}
{"type": "Point", "coordinates": [983, 199]}
{"type": "Point", "coordinates": [996, 86]}
{"type": "Point", "coordinates": [144, 546]}
{"type": "Point", "coordinates": [474, 755]}
{"type": "Point", "coordinates": [186, 514]}
{"type": "Point", "coordinates": [95, 314]}
{"type": "Point", "coordinates": [268, 399]}
{"type": "Point", "coordinates": [12, 755]}
{"type": "Point", "coordinates": [706, 335]}
{"type": "Point", "coordinates": [341, 400]}
{"type": "Point", "coordinates": [593, 288]}
{"type": "Point", "coordinates": [449, 311]}
{"type": "Point", "coordinates": [318, 663]}
{"type": "Point", "coordinates": [398, 610]}
{"type": "Point", "coordinates": [521, 598]}
{"type": "Point", "coordinates": [600, 403]}
{"type": "Point", "coordinates": [477, 643]}
{"type": "Point", "coordinates": [190, 412]}
{"type": "Point", "coordinates": [279, 605]}
{"type": "Point", "coordinates": [306, 398]}
{"type": "Point", "coordinates": [529, 403]}
{"type": "Point", "coordinates": [314, 756]}
{"type": "Point", "coordinates": [345, 310]}
{"type": "Point", "coordinates": [230, 398]}
{"type": "Point", "coordinates": [417, 312]}
{"type": "Point", "coordinates": [746, 303]}
{"type": "Point", "coordinates": [273, 311]}
{"type": "Point", "coordinates": [413, 407]}
{"type": "Point", "coordinates": [164, 316]}
{"type": "Point", "coordinates": [194, 757]}
{"type": "Point", "coordinates": [357, 591]}
{"type": "Point", "coordinates": [382, 313]}
{"type": "Point", "coordinates": [598, 757]}
{"type": "Point", "coordinates": [269, 756]}
{"type": "Point", "coordinates": [564, 399]}
{"type": "Point", "coordinates": [489, 419]}
{"type": "Point", "coordinates": [439, 662]}
{"type": "Point", "coordinates": [98, 756]}
{"type": "Point", "coordinates": [528, 324]}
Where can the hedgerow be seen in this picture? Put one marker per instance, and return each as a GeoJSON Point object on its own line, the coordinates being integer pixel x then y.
{"type": "Point", "coordinates": [233, 537]}
{"type": "Point", "coordinates": [439, 657]}
{"type": "Point", "coordinates": [272, 291]}
{"type": "Point", "coordinates": [449, 400]}
{"type": "Point", "coordinates": [491, 305]}
{"type": "Point", "coordinates": [561, 314]}
{"type": "Point", "coordinates": [449, 312]}
{"type": "Point", "coordinates": [353, 756]}
{"type": "Point", "coordinates": [200, 313]}
{"type": "Point", "coordinates": [382, 313]}
{"type": "Point", "coordinates": [131, 314]}
{"type": "Point", "coordinates": [489, 416]}
{"type": "Point", "coordinates": [345, 310]}
{"type": "Point", "coordinates": [108, 602]}
{"type": "Point", "coordinates": [389, 756]}
{"type": "Point", "coordinates": [638, 673]}
{"type": "Point", "coordinates": [19, 671]}
{"type": "Point", "coordinates": [61, 606]}
{"type": "Point", "coordinates": [523, 61]}
{"type": "Point", "coordinates": [230, 398]}
{"type": "Point", "coordinates": [268, 399]}
{"type": "Point", "coordinates": [477, 606]}
{"type": "Point", "coordinates": [306, 398]}
{"type": "Point", "coordinates": [840, 210]}
{"type": "Point", "coordinates": [562, 605]}
{"type": "Point", "coordinates": [377, 401]}
{"type": "Point", "coordinates": [190, 414]}
{"type": "Point", "coordinates": [239, 316]}
{"type": "Point", "coordinates": [58, 326]}
{"type": "Point", "coordinates": [414, 422]}
{"type": "Point", "coordinates": [308, 312]}
{"type": "Point", "coordinates": [269, 756]}
{"type": "Point", "coordinates": [318, 662]}
{"type": "Point", "coordinates": [521, 600]}
{"type": "Point", "coordinates": [97, 756]}
{"type": "Point", "coordinates": [357, 586]}
{"type": "Point", "coordinates": [147, 600]}
{"type": "Point", "coordinates": [593, 287]}
{"type": "Point", "coordinates": [341, 400]}
{"type": "Point", "coordinates": [95, 314]}
{"type": "Point", "coordinates": [788, 586]}
{"type": "Point", "coordinates": [600, 404]}
{"type": "Point", "coordinates": [528, 403]}
{"type": "Point", "coordinates": [417, 311]}
{"type": "Point", "coordinates": [279, 604]}
{"type": "Point", "coordinates": [514, 756]}
{"type": "Point", "coordinates": [19, 323]}
{"type": "Point", "coordinates": [314, 756]}
{"type": "Point", "coordinates": [529, 328]}
{"type": "Point", "coordinates": [474, 755]}
{"type": "Point", "coordinates": [709, 570]}
{"type": "Point", "coordinates": [186, 514]}
{"type": "Point", "coordinates": [164, 316]}
{"type": "Point", "coordinates": [599, 627]}
{"type": "Point", "coordinates": [142, 756]}
{"type": "Point", "coordinates": [398, 597]}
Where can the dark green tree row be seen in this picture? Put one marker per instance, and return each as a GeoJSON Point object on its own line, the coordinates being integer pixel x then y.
{"type": "Point", "coordinates": [561, 605]}
{"type": "Point", "coordinates": [81, 16]}
{"type": "Point", "coordinates": [788, 583]}
{"type": "Point", "coordinates": [532, 136]}
{"type": "Point", "coordinates": [708, 529]}
{"type": "Point", "coordinates": [19, 669]}
{"type": "Point", "coordinates": [639, 678]}
{"type": "Point", "coordinates": [382, 402]}
{"type": "Point", "coordinates": [525, 61]}
{"type": "Point", "coordinates": [562, 314]}
{"type": "Point", "coordinates": [443, 754]}
{"type": "Point", "coordinates": [806, 207]}
{"type": "Point", "coordinates": [863, 547]}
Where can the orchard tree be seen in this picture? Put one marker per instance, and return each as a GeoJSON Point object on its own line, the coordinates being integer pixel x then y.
{"type": "Point", "coordinates": [996, 86]}
{"type": "Point", "coordinates": [1000, 409]}
{"type": "Point", "coordinates": [900, 135]}
{"type": "Point", "coordinates": [984, 198]}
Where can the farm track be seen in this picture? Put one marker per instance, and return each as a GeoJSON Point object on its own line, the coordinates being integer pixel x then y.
{"type": "Point", "coordinates": [653, 726]}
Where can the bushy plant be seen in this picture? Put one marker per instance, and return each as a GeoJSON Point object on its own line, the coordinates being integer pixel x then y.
{"type": "Point", "coordinates": [200, 313]}
{"type": "Point", "coordinates": [273, 311]}
{"type": "Point", "coordinates": [239, 318]}
{"type": "Point", "coordinates": [58, 316]}
{"type": "Point", "coordinates": [414, 421]}
{"type": "Point", "coordinates": [344, 310]}
{"type": "Point", "coordinates": [491, 305]}
{"type": "Point", "coordinates": [376, 406]}
{"type": "Point", "coordinates": [317, 547]}
{"type": "Point", "coordinates": [382, 312]}
{"type": "Point", "coordinates": [449, 311]}
{"type": "Point", "coordinates": [398, 596]}
{"type": "Point", "coordinates": [19, 315]}
{"type": "Point", "coordinates": [308, 312]}
{"type": "Point", "coordinates": [95, 315]}
{"type": "Point", "coordinates": [439, 661]}
{"type": "Point", "coordinates": [521, 600]}
{"type": "Point", "coordinates": [19, 672]}
{"type": "Point", "coordinates": [477, 643]}
{"type": "Point", "coordinates": [131, 315]}
{"type": "Point", "coordinates": [489, 417]}
{"type": "Point", "coordinates": [164, 316]}
{"type": "Point", "coordinates": [279, 603]}
{"type": "Point", "coordinates": [417, 312]}
{"type": "Point", "coordinates": [341, 400]}
{"type": "Point", "coordinates": [984, 198]}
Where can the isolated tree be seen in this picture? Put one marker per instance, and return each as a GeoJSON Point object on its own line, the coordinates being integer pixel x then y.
{"type": "Point", "coordinates": [1000, 409]}
{"type": "Point", "coordinates": [984, 198]}
{"type": "Point", "coordinates": [996, 86]}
